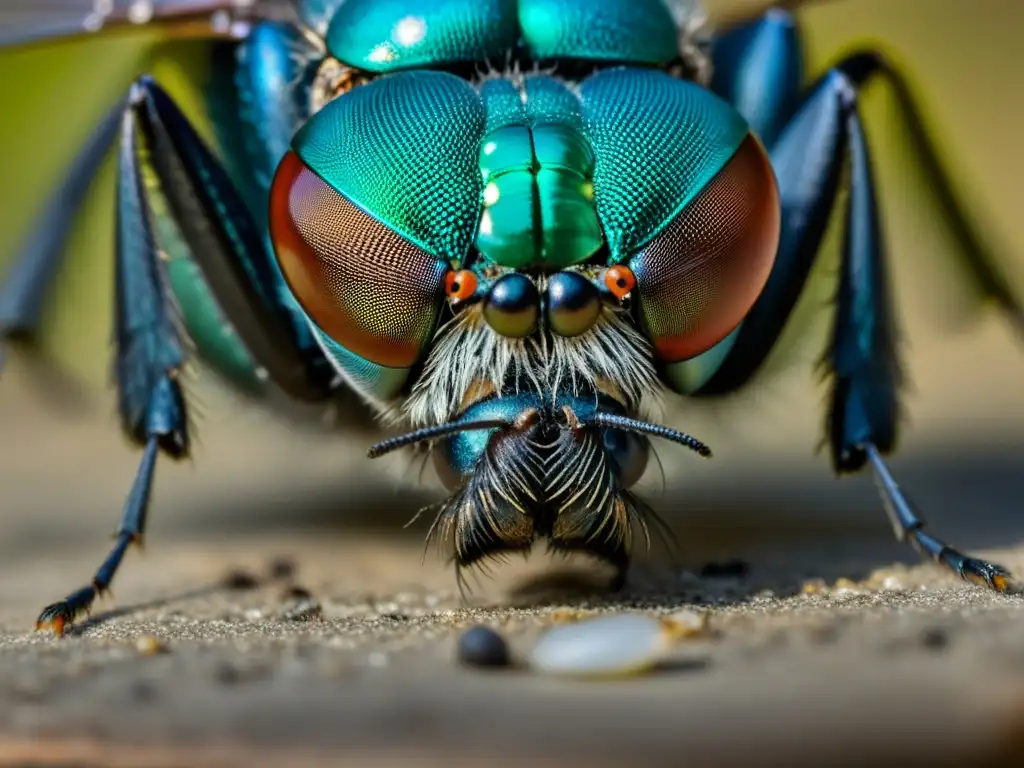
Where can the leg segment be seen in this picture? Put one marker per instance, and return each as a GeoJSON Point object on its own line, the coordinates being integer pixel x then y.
{"type": "Point", "coordinates": [759, 69]}
{"type": "Point", "coordinates": [228, 246]}
{"type": "Point", "coordinates": [907, 525]}
{"type": "Point", "coordinates": [218, 233]}
{"type": "Point", "coordinates": [60, 614]}
{"type": "Point", "coordinates": [149, 357]}
{"type": "Point", "coordinates": [822, 145]}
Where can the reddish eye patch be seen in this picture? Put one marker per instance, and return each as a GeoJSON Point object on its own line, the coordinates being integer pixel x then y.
{"type": "Point", "coordinates": [698, 279]}
{"type": "Point", "coordinates": [619, 280]}
{"type": "Point", "coordinates": [460, 285]}
{"type": "Point", "coordinates": [367, 287]}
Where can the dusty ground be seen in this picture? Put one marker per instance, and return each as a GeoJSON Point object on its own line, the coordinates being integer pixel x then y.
{"type": "Point", "coordinates": [905, 663]}
{"type": "Point", "coordinates": [917, 666]}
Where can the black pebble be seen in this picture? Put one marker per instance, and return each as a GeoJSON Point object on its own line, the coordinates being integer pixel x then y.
{"type": "Point", "coordinates": [734, 569]}
{"type": "Point", "coordinates": [483, 647]}
{"type": "Point", "coordinates": [240, 580]}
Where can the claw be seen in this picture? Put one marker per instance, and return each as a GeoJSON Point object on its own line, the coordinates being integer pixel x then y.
{"type": "Point", "coordinates": [1003, 583]}
{"type": "Point", "coordinates": [55, 617]}
{"type": "Point", "coordinates": [58, 616]}
{"type": "Point", "coordinates": [985, 574]}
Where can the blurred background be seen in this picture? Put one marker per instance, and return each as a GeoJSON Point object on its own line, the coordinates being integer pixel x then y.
{"type": "Point", "coordinates": [64, 469]}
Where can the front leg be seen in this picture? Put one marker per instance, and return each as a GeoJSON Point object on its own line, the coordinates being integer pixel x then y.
{"type": "Point", "coordinates": [818, 149]}
{"type": "Point", "coordinates": [227, 246]}
{"type": "Point", "coordinates": [149, 358]}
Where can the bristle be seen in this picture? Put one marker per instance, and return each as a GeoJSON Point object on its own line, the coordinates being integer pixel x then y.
{"type": "Point", "coordinates": [694, 35]}
{"type": "Point", "coordinates": [494, 511]}
{"type": "Point", "coordinates": [467, 351]}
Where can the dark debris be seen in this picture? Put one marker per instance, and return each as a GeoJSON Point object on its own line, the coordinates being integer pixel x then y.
{"type": "Point", "coordinates": [934, 639]}
{"type": "Point", "coordinates": [281, 568]}
{"type": "Point", "coordinates": [240, 580]}
{"type": "Point", "coordinates": [304, 610]}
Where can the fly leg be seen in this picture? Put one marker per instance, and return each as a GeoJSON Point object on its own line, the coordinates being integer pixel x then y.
{"type": "Point", "coordinates": [864, 363]}
{"type": "Point", "coordinates": [63, 613]}
{"type": "Point", "coordinates": [817, 149]}
{"type": "Point", "coordinates": [157, 142]}
{"type": "Point", "coordinates": [907, 525]}
{"type": "Point", "coordinates": [149, 357]}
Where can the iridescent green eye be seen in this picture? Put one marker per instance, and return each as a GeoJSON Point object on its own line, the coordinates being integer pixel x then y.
{"type": "Point", "coordinates": [512, 307]}
{"type": "Point", "coordinates": [573, 304]}
{"type": "Point", "coordinates": [368, 288]}
{"type": "Point", "coordinates": [698, 279]}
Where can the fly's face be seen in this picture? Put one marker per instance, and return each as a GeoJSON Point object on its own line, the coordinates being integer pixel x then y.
{"type": "Point", "coordinates": [515, 265]}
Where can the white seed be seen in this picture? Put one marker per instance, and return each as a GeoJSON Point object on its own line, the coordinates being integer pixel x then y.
{"type": "Point", "coordinates": [622, 644]}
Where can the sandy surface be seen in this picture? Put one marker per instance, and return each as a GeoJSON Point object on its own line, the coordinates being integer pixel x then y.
{"type": "Point", "coordinates": [905, 663]}
{"type": "Point", "coordinates": [915, 666]}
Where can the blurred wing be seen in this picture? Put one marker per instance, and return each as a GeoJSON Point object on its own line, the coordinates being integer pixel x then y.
{"type": "Point", "coordinates": [30, 21]}
{"type": "Point", "coordinates": [230, 99]}
{"type": "Point", "coordinates": [971, 270]}
{"type": "Point", "coordinates": [52, 110]}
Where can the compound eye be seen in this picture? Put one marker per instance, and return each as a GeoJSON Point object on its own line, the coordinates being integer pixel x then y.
{"type": "Point", "coordinates": [700, 276]}
{"type": "Point", "coordinates": [367, 287]}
